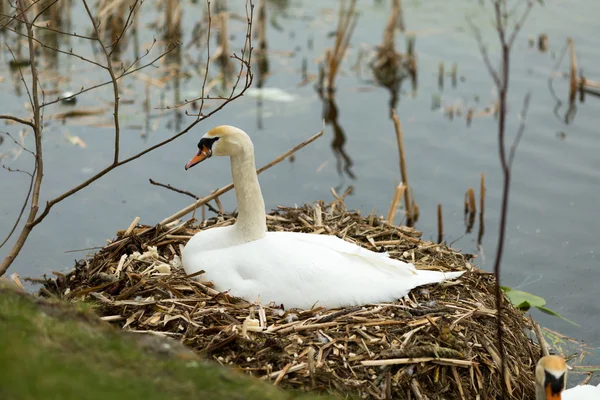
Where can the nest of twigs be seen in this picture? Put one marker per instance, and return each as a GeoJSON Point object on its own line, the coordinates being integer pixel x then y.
{"type": "Point", "coordinates": [439, 342]}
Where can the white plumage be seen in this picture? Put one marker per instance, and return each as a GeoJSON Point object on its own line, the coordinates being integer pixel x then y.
{"type": "Point", "coordinates": [297, 270]}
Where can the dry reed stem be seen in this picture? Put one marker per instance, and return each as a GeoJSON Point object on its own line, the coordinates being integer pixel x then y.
{"type": "Point", "coordinates": [440, 223]}
{"type": "Point", "coordinates": [346, 23]}
{"type": "Point", "coordinates": [454, 74]}
{"type": "Point", "coordinates": [482, 191]}
{"type": "Point", "coordinates": [573, 72]}
{"type": "Point", "coordinates": [470, 203]}
{"type": "Point", "coordinates": [410, 216]}
{"type": "Point", "coordinates": [398, 193]}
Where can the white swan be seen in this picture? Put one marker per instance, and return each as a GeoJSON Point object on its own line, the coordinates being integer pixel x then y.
{"type": "Point", "coordinates": [551, 379]}
{"type": "Point", "coordinates": [298, 270]}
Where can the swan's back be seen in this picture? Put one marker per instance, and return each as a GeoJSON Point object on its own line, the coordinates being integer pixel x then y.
{"type": "Point", "coordinates": [584, 392]}
{"type": "Point", "coordinates": [300, 270]}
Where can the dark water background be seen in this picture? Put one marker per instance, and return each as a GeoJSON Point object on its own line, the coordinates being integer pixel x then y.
{"type": "Point", "coordinates": [553, 227]}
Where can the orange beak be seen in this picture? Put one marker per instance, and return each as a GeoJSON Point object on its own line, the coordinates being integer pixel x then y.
{"type": "Point", "coordinates": [202, 155]}
{"type": "Point", "coordinates": [550, 395]}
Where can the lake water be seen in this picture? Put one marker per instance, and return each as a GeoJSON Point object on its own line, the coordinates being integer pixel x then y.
{"type": "Point", "coordinates": [553, 226]}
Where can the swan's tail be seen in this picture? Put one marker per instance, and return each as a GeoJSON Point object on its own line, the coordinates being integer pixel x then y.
{"type": "Point", "coordinates": [437, 276]}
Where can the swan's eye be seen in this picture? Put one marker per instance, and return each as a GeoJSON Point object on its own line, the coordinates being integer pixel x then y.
{"type": "Point", "coordinates": [207, 142]}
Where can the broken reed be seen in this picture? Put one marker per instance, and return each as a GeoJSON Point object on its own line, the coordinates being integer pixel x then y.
{"type": "Point", "coordinates": [411, 215]}
{"type": "Point", "coordinates": [573, 74]}
{"type": "Point", "coordinates": [440, 223]}
{"type": "Point", "coordinates": [482, 191]}
{"type": "Point", "coordinates": [333, 59]}
{"type": "Point", "coordinates": [399, 192]}
{"type": "Point", "coordinates": [470, 209]}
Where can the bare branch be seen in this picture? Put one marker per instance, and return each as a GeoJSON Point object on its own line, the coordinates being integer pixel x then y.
{"type": "Point", "coordinates": [110, 70]}
{"type": "Point", "coordinates": [68, 53]}
{"type": "Point", "coordinates": [22, 77]}
{"type": "Point", "coordinates": [167, 186]}
{"type": "Point", "coordinates": [43, 11]}
{"type": "Point", "coordinates": [25, 202]}
{"type": "Point", "coordinates": [207, 59]}
{"type": "Point", "coordinates": [126, 26]}
{"type": "Point", "coordinates": [121, 76]}
{"type": "Point", "coordinates": [484, 52]}
{"type": "Point", "coordinates": [192, 195]}
{"type": "Point", "coordinates": [523, 117]}
{"type": "Point", "coordinates": [519, 24]}
{"type": "Point", "coordinates": [19, 144]}
{"type": "Point", "coordinates": [19, 120]}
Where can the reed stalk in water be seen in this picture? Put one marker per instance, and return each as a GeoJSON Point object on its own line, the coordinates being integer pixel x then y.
{"type": "Point", "coordinates": [481, 209]}
{"type": "Point", "coordinates": [333, 58]}
{"type": "Point", "coordinates": [410, 217]}
{"type": "Point", "coordinates": [398, 193]}
{"type": "Point", "coordinates": [440, 224]}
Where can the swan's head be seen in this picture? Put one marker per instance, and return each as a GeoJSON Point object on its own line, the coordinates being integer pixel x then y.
{"type": "Point", "coordinates": [223, 140]}
{"type": "Point", "coordinates": [550, 377]}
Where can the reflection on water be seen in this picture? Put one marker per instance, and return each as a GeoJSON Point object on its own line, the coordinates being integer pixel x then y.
{"type": "Point", "coordinates": [261, 58]}
{"type": "Point", "coordinates": [390, 67]}
{"type": "Point", "coordinates": [330, 116]}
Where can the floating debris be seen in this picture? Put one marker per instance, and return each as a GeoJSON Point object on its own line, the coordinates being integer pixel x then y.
{"type": "Point", "coordinates": [68, 98]}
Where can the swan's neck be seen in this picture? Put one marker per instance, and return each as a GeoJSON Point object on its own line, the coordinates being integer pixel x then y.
{"type": "Point", "coordinates": [251, 221]}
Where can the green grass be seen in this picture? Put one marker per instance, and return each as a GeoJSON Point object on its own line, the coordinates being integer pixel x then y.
{"type": "Point", "coordinates": [50, 350]}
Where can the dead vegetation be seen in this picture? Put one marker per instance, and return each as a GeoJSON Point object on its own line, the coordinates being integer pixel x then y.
{"type": "Point", "coordinates": [438, 342]}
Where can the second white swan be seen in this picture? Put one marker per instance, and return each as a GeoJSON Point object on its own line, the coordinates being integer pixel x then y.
{"type": "Point", "coordinates": [298, 270]}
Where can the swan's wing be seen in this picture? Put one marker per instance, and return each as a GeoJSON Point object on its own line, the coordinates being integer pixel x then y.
{"type": "Point", "coordinates": [584, 392]}
{"type": "Point", "coordinates": [381, 261]}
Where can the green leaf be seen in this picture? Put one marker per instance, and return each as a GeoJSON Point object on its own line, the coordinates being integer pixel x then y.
{"type": "Point", "coordinates": [520, 298]}
{"type": "Point", "coordinates": [554, 313]}
{"type": "Point", "coordinates": [524, 301]}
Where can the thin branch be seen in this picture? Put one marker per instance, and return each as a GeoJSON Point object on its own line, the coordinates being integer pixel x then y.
{"type": "Point", "coordinates": [167, 186]}
{"type": "Point", "coordinates": [45, 46]}
{"type": "Point", "coordinates": [19, 144]}
{"type": "Point", "coordinates": [127, 24]}
{"type": "Point", "coordinates": [519, 24]}
{"type": "Point", "coordinates": [14, 227]}
{"type": "Point", "coordinates": [484, 52]}
{"type": "Point", "coordinates": [122, 75]}
{"type": "Point", "coordinates": [207, 60]}
{"type": "Point", "coordinates": [22, 77]}
{"type": "Point", "coordinates": [523, 116]}
{"type": "Point", "coordinates": [113, 78]}
{"type": "Point", "coordinates": [43, 11]}
{"type": "Point", "coordinates": [9, 169]}
{"type": "Point", "coordinates": [19, 120]}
